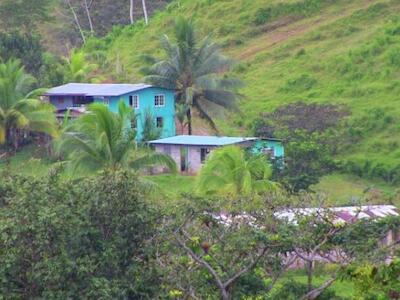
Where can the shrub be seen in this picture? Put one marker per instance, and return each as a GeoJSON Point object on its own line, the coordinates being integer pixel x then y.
{"type": "Point", "coordinates": [62, 239]}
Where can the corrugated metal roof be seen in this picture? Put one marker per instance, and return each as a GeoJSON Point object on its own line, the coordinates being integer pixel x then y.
{"type": "Point", "coordinates": [200, 140]}
{"type": "Point", "coordinates": [346, 214]}
{"type": "Point", "coordinates": [340, 215]}
{"type": "Point", "coordinates": [96, 89]}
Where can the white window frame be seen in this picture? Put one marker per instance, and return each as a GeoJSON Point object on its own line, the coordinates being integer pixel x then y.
{"type": "Point", "coordinates": [157, 100]}
{"type": "Point", "coordinates": [135, 101]}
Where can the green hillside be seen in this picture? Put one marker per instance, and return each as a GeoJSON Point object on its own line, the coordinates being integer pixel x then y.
{"type": "Point", "coordinates": [341, 52]}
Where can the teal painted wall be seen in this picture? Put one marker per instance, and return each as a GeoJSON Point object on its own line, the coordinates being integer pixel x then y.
{"type": "Point", "coordinates": [279, 150]}
{"type": "Point", "coordinates": [146, 102]}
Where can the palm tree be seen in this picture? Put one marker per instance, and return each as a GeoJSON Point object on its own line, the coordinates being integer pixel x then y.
{"type": "Point", "coordinates": [193, 68]}
{"type": "Point", "coordinates": [230, 171]}
{"type": "Point", "coordinates": [102, 140]}
{"type": "Point", "coordinates": [19, 110]}
{"type": "Point", "coordinates": [180, 114]}
{"type": "Point", "coordinates": [78, 68]}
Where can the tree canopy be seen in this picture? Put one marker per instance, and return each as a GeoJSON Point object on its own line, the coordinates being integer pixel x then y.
{"type": "Point", "coordinates": [102, 140]}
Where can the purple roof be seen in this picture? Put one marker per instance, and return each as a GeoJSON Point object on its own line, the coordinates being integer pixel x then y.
{"type": "Point", "coordinates": [94, 89]}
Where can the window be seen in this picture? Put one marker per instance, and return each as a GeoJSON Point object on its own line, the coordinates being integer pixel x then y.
{"type": "Point", "coordinates": [159, 122]}
{"type": "Point", "coordinates": [134, 101]}
{"type": "Point", "coordinates": [78, 101]}
{"type": "Point", "coordinates": [106, 101]}
{"type": "Point", "coordinates": [203, 154]}
{"type": "Point", "coordinates": [60, 100]}
{"type": "Point", "coordinates": [159, 100]}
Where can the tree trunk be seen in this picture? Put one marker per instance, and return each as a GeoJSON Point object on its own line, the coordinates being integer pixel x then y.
{"type": "Point", "coordinates": [182, 128]}
{"type": "Point", "coordinates": [225, 294]}
{"type": "Point", "coordinates": [78, 25]}
{"type": "Point", "coordinates": [16, 140]}
{"type": "Point", "coordinates": [131, 12]}
{"type": "Point", "coordinates": [313, 294]}
{"type": "Point", "coordinates": [309, 275]}
{"type": "Point", "coordinates": [145, 12]}
{"type": "Point", "coordinates": [89, 17]}
{"type": "Point", "coordinates": [189, 120]}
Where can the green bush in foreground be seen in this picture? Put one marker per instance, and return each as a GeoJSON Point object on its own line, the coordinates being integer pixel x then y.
{"type": "Point", "coordinates": [63, 239]}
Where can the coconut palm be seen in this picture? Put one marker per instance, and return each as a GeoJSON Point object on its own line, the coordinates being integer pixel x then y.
{"type": "Point", "coordinates": [78, 68]}
{"type": "Point", "coordinates": [193, 68]}
{"type": "Point", "coordinates": [19, 110]}
{"type": "Point", "coordinates": [180, 114]}
{"type": "Point", "coordinates": [102, 140]}
{"type": "Point", "coordinates": [230, 171]}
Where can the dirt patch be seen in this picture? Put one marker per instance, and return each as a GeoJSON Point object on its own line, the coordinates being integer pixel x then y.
{"type": "Point", "coordinates": [278, 33]}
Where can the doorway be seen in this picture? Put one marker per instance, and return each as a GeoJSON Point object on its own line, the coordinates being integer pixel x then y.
{"type": "Point", "coordinates": [184, 159]}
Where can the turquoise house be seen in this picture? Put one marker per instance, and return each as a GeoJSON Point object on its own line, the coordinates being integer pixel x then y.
{"type": "Point", "coordinates": [271, 146]}
{"type": "Point", "coordinates": [142, 98]}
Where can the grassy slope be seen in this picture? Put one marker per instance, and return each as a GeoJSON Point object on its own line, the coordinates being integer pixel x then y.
{"type": "Point", "coordinates": [339, 53]}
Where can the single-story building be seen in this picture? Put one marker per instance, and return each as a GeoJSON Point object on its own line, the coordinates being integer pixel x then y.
{"type": "Point", "coordinates": [142, 98]}
{"type": "Point", "coordinates": [190, 151]}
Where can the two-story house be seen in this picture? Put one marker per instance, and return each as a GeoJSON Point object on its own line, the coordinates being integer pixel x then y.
{"type": "Point", "coordinates": [143, 98]}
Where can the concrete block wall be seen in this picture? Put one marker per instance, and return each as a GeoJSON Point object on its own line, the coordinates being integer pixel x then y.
{"type": "Point", "coordinates": [194, 163]}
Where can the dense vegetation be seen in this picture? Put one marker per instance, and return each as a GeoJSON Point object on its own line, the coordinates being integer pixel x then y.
{"type": "Point", "coordinates": [105, 237]}
{"type": "Point", "coordinates": [322, 75]}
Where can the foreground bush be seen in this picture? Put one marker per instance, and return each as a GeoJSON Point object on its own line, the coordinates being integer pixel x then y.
{"type": "Point", "coordinates": [62, 239]}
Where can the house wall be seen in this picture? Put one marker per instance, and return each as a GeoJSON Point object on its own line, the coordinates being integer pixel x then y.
{"type": "Point", "coordinates": [61, 102]}
{"type": "Point", "coordinates": [194, 156]}
{"type": "Point", "coordinates": [279, 150]}
{"type": "Point", "coordinates": [194, 163]}
{"type": "Point", "coordinates": [146, 103]}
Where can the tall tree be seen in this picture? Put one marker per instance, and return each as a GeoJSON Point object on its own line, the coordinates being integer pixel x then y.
{"type": "Point", "coordinates": [19, 110]}
{"type": "Point", "coordinates": [101, 140]}
{"type": "Point", "coordinates": [76, 20]}
{"type": "Point", "coordinates": [145, 12]}
{"type": "Point", "coordinates": [180, 113]}
{"type": "Point", "coordinates": [87, 6]}
{"type": "Point", "coordinates": [131, 5]}
{"type": "Point", "coordinates": [228, 171]}
{"type": "Point", "coordinates": [193, 68]}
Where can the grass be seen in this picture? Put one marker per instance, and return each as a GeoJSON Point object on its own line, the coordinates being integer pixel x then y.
{"type": "Point", "coordinates": [344, 189]}
{"type": "Point", "coordinates": [172, 186]}
{"type": "Point", "coordinates": [343, 289]}
{"type": "Point", "coordinates": [343, 52]}
{"type": "Point", "coordinates": [29, 161]}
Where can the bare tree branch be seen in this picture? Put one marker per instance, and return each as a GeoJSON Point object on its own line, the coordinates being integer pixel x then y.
{"type": "Point", "coordinates": [311, 295]}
